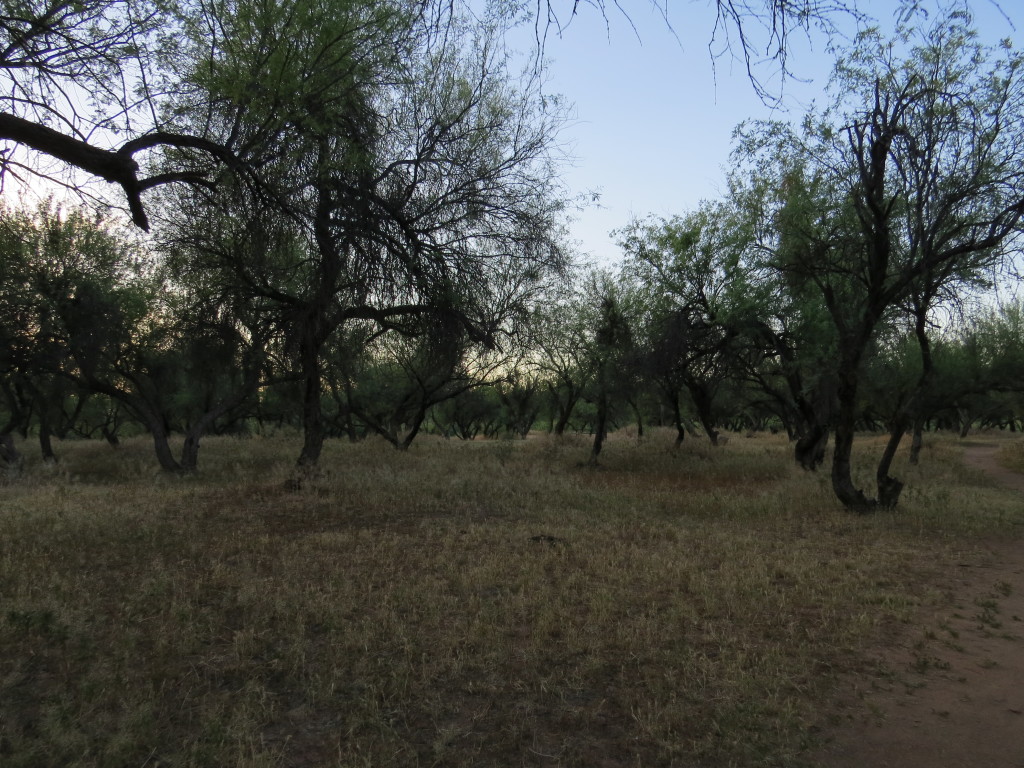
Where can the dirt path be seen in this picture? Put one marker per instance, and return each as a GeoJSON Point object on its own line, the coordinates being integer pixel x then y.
{"type": "Point", "coordinates": [983, 456]}
{"type": "Point", "coordinates": [956, 698]}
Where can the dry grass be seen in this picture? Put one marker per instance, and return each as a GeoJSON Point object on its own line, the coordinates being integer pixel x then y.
{"type": "Point", "coordinates": [1011, 455]}
{"type": "Point", "coordinates": [678, 608]}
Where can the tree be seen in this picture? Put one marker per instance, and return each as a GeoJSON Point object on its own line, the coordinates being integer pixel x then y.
{"type": "Point", "coordinates": [697, 303]}
{"type": "Point", "coordinates": [787, 342]}
{"type": "Point", "coordinates": [396, 379]}
{"type": "Point", "coordinates": [413, 177]}
{"type": "Point", "coordinates": [609, 352]}
{"type": "Point", "coordinates": [96, 319]}
{"type": "Point", "coordinates": [519, 394]}
{"type": "Point", "coordinates": [916, 174]}
{"type": "Point", "coordinates": [468, 414]}
{"type": "Point", "coordinates": [86, 307]}
{"type": "Point", "coordinates": [559, 336]}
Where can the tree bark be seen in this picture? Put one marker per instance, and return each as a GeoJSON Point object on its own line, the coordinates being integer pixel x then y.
{"type": "Point", "coordinates": [917, 442]}
{"type": "Point", "coordinates": [677, 419]}
{"type": "Point", "coordinates": [639, 419]}
{"type": "Point", "coordinates": [810, 447]}
{"type": "Point", "coordinates": [190, 448]}
{"type": "Point", "coordinates": [564, 410]}
{"type": "Point", "coordinates": [46, 440]}
{"type": "Point", "coordinates": [110, 435]}
{"type": "Point", "coordinates": [155, 423]}
{"type": "Point", "coordinates": [600, 427]}
{"type": "Point", "coordinates": [414, 429]}
{"type": "Point", "coordinates": [927, 371]}
{"type": "Point", "coordinates": [10, 459]}
{"type": "Point", "coordinates": [848, 494]}
{"type": "Point", "coordinates": [889, 488]}
{"type": "Point", "coordinates": [702, 401]}
{"type": "Point", "coordinates": [312, 414]}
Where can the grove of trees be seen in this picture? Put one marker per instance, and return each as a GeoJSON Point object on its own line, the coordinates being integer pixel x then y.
{"type": "Point", "coordinates": [349, 221]}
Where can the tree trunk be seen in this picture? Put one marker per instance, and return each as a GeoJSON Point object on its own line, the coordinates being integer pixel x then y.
{"type": "Point", "coordinates": [45, 426]}
{"type": "Point", "coordinates": [161, 444]}
{"type": "Point", "coordinates": [157, 426]}
{"type": "Point", "coordinates": [600, 428]}
{"type": "Point", "coordinates": [923, 383]}
{"type": "Point", "coordinates": [11, 461]}
{"type": "Point", "coordinates": [312, 414]}
{"type": "Point", "coordinates": [702, 401]}
{"type": "Point", "coordinates": [810, 447]}
{"type": "Point", "coordinates": [46, 441]}
{"type": "Point", "coordinates": [917, 442]}
{"type": "Point", "coordinates": [67, 422]}
{"type": "Point", "coordinates": [965, 422]}
{"type": "Point", "coordinates": [414, 429]}
{"type": "Point", "coordinates": [639, 419]}
{"type": "Point", "coordinates": [564, 409]}
{"type": "Point", "coordinates": [110, 436]}
{"type": "Point", "coordinates": [190, 449]}
{"type": "Point", "coordinates": [889, 488]}
{"type": "Point", "coordinates": [849, 496]}
{"type": "Point", "coordinates": [564, 414]}
{"type": "Point", "coordinates": [677, 421]}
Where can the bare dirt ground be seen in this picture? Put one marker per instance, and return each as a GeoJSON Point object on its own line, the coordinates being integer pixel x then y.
{"type": "Point", "coordinates": [955, 695]}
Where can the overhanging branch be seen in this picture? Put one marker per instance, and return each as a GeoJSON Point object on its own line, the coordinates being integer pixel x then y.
{"type": "Point", "coordinates": [115, 166]}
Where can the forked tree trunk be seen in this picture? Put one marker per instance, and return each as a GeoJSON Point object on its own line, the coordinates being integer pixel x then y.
{"type": "Point", "coordinates": [414, 427]}
{"type": "Point", "coordinates": [190, 448]}
{"type": "Point", "coordinates": [889, 488]}
{"type": "Point", "coordinates": [702, 401]}
{"type": "Point", "coordinates": [564, 411]}
{"type": "Point", "coordinates": [914, 406]}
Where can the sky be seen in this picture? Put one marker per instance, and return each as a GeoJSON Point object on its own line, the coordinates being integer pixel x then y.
{"type": "Point", "coordinates": [653, 114]}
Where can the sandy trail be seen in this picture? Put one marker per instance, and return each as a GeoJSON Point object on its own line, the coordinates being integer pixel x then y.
{"type": "Point", "coordinates": [960, 702]}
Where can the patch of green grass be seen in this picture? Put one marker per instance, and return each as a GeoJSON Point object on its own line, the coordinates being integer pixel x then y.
{"type": "Point", "coordinates": [460, 604]}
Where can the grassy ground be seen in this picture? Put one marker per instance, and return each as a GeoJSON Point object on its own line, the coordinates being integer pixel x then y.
{"type": "Point", "coordinates": [1011, 455]}
{"type": "Point", "coordinates": [463, 604]}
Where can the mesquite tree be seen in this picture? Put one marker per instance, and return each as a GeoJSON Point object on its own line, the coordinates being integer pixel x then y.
{"type": "Point", "coordinates": [913, 178]}
{"type": "Point", "coordinates": [696, 303]}
{"type": "Point", "coordinates": [406, 173]}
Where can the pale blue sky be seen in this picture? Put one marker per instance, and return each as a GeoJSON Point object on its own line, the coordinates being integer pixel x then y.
{"type": "Point", "coordinates": [653, 117]}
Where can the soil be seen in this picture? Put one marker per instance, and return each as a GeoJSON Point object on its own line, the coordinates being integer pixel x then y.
{"type": "Point", "coordinates": [953, 695]}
